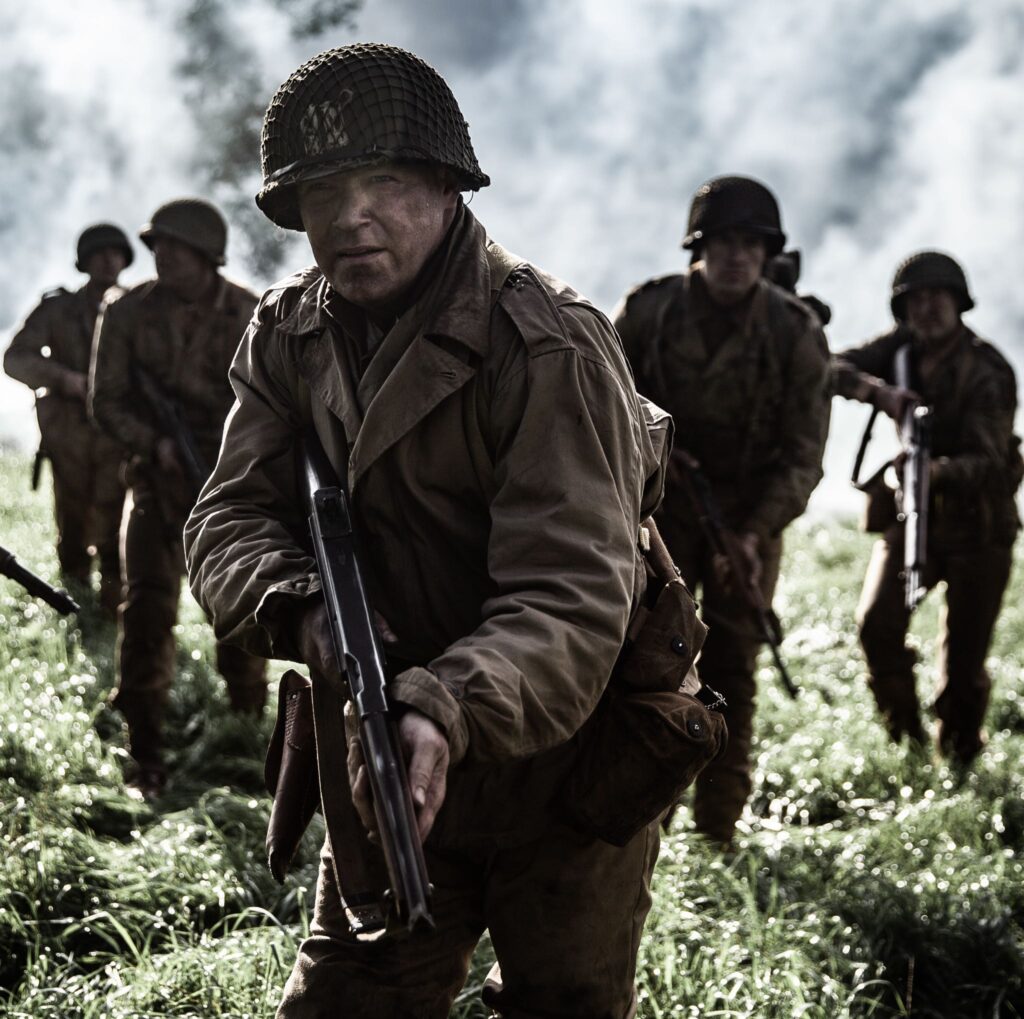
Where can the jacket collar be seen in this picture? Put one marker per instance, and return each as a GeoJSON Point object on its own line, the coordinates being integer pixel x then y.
{"type": "Point", "coordinates": [411, 373]}
{"type": "Point", "coordinates": [455, 304]}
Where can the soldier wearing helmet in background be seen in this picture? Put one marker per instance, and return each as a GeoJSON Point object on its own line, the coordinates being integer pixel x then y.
{"type": "Point", "coordinates": [742, 366]}
{"type": "Point", "coordinates": [972, 516]}
{"type": "Point", "coordinates": [50, 353]}
{"type": "Point", "coordinates": [159, 372]}
{"type": "Point", "coordinates": [499, 469]}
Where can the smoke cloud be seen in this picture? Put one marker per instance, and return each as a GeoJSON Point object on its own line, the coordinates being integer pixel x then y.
{"type": "Point", "coordinates": [882, 129]}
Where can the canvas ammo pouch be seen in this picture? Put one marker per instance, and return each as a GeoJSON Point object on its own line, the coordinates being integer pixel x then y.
{"type": "Point", "coordinates": [656, 727]}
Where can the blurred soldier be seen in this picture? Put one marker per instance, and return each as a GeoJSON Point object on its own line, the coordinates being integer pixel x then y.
{"type": "Point", "coordinates": [499, 468]}
{"type": "Point", "coordinates": [160, 386]}
{"type": "Point", "coordinates": [742, 366]}
{"type": "Point", "coordinates": [50, 353]}
{"type": "Point", "coordinates": [975, 468]}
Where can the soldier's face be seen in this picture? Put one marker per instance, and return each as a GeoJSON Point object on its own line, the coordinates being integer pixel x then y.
{"type": "Point", "coordinates": [733, 262]}
{"type": "Point", "coordinates": [372, 230]}
{"type": "Point", "coordinates": [105, 265]}
{"type": "Point", "coordinates": [181, 268]}
{"type": "Point", "coordinates": [933, 315]}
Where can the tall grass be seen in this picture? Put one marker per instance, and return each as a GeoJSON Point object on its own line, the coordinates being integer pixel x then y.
{"type": "Point", "coordinates": [868, 880]}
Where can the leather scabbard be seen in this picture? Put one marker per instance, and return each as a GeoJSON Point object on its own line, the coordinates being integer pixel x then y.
{"type": "Point", "coordinates": [359, 868]}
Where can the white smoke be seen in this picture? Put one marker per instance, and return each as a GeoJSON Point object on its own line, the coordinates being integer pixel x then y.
{"type": "Point", "coordinates": [883, 129]}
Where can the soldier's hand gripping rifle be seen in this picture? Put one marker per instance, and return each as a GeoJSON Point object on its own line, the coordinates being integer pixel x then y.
{"type": "Point", "coordinates": [723, 543]}
{"type": "Point", "coordinates": [36, 586]}
{"type": "Point", "coordinates": [915, 434]}
{"type": "Point", "coordinates": [359, 653]}
{"type": "Point", "coordinates": [172, 424]}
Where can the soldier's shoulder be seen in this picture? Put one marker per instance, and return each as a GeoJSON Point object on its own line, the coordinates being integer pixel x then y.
{"type": "Point", "coordinates": [654, 290]}
{"type": "Point", "coordinates": [991, 357]}
{"type": "Point", "coordinates": [55, 295]}
{"type": "Point", "coordinates": [539, 303]}
{"type": "Point", "coordinates": [239, 292]}
{"type": "Point", "coordinates": [288, 290]}
{"type": "Point", "coordinates": [131, 299]}
{"type": "Point", "coordinates": [134, 293]}
{"type": "Point", "coordinates": [549, 316]}
{"type": "Point", "coordinates": [53, 303]}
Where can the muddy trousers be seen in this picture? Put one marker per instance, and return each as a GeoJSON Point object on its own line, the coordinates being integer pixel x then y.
{"type": "Point", "coordinates": [154, 564]}
{"type": "Point", "coordinates": [975, 581]}
{"type": "Point", "coordinates": [726, 664]}
{"type": "Point", "coordinates": [565, 914]}
{"type": "Point", "coordinates": [88, 498]}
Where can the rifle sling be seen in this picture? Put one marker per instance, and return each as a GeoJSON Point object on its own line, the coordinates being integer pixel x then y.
{"type": "Point", "coordinates": [865, 441]}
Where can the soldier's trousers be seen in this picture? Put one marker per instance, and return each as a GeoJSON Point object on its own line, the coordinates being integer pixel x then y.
{"type": "Point", "coordinates": [565, 913]}
{"type": "Point", "coordinates": [975, 581]}
{"type": "Point", "coordinates": [88, 497]}
{"type": "Point", "coordinates": [154, 565]}
{"type": "Point", "coordinates": [726, 664]}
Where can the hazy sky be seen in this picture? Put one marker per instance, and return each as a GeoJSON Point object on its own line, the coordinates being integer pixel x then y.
{"type": "Point", "coordinates": [883, 129]}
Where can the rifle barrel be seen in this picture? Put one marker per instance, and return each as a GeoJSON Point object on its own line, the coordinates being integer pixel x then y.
{"type": "Point", "coordinates": [36, 586]}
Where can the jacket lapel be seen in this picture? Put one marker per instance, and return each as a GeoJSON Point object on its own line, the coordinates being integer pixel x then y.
{"type": "Point", "coordinates": [425, 376]}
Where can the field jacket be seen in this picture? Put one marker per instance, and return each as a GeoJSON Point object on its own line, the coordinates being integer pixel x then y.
{"type": "Point", "coordinates": [186, 349]}
{"type": "Point", "coordinates": [975, 454]}
{"type": "Point", "coordinates": [752, 408]}
{"type": "Point", "coordinates": [499, 466]}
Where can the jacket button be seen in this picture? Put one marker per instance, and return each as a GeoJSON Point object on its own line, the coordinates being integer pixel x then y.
{"type": "Point", "coordinates": [695, 729]}
{"type": "Point", "coordinates": [679, 645]}
{"type": "Point", "coordinates": [456, 690]}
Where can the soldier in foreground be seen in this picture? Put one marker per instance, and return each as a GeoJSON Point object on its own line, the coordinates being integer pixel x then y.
{"type": "Point", "coordinates": [975, 468]}
{"type": "Point", "coordinates": [742, 366]}
{"type": "Point", "coordinates": [495, 448]}
{"type": "Point", "coordinates": [50, 353]}
{"type": "Point", "coordinates": [159, 386]}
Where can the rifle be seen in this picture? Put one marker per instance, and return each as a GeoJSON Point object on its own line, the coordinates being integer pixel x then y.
{"type": "Point", "coordinates": [171, 422]}
{"type": "Point", "coordinates": [36, 586]}
{"type": "Point", "coordinates": [359, 652]}
{"type": "Point", "coordinates": [723, 542]}
{"type": "Point", "coordinates": [915, 434]}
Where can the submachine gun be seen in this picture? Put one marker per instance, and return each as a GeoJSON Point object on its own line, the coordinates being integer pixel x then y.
{"type": "Point", "coordinates": [360, 655]}
{"type": "Point", "coordinates": [723, 542]}
{"type": "Point", "coordinates": [36, 586]}
{"type": "Point", "coordinates": [915, 431]}
{"type": "Point", "coordinates": [172, 423]}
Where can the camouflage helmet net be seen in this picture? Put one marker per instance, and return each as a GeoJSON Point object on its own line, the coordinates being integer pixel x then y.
{"type": "Point", "coordinates": [99, 236]}
{"type": "Point", "coordinates": [734, 203]}
{"type": "Point", "coordinates": [192, 221]}
{"type": "Point", "coordinates": [934, 270]}
{"type": "Point", "coordinates": [356, 106]}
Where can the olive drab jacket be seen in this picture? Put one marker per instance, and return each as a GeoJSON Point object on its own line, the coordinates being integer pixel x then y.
{"type": "Point", "coordinates": [976, 461]}
{"type": "Point", "coordinates": [499, 466]}
{"type": "Point", "coordinates": [186, 349]}
{"type": "Point", "coordinates": [752, 405]}
{"type": "Point", "coordinates": [53, 343]}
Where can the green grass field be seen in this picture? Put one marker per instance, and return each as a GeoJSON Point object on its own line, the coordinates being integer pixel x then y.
{"type": "Point", "coordinates": [869, 881]}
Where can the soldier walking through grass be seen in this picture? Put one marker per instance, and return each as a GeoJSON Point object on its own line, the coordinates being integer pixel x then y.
{"type": "Point", "coordinates": [975, 469]}
{"type": "Point", "coordinates": [160, 372]}
{"type": "Point", "coordinates": [50, 353]}
{"type": "Point", "coordinates": [742, 366]}
{"type": "Point", "coordinates": [485, 420]}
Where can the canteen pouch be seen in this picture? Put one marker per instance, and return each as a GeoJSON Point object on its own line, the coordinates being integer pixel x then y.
{"type": "Point", "coordinates": [650, 736]}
